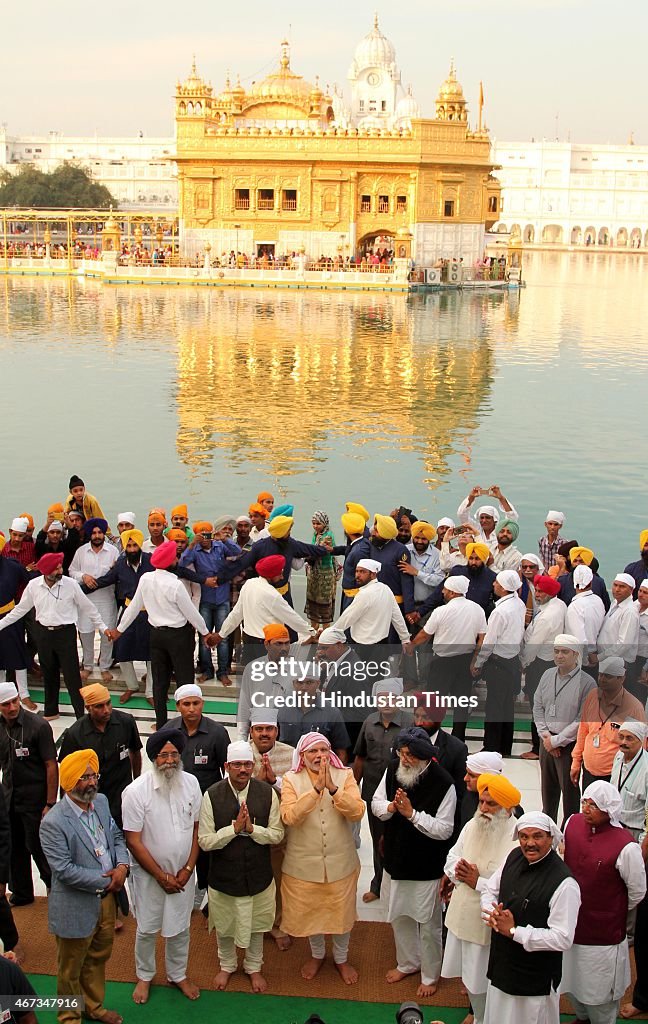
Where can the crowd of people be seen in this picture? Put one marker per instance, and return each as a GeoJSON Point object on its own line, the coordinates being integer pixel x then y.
{"type": "Point", "coordinates": [340, 716]}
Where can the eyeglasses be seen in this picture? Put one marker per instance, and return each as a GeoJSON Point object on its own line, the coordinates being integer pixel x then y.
{"type": "Point", "coordinates": [90, 776]}
{"type": "Point", "coordinates": [168, 757]}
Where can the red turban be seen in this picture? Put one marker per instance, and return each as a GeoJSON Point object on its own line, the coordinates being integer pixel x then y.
{"type": "Point", "coordinates": [164, 555]}
{"type": "Point", "coordinates": [546, 584]}
{"type": "Point", "coordinates": [49, 562]}
{"type": "Point", "coordinates": [271, 566]}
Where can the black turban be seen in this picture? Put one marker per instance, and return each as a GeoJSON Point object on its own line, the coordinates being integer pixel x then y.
{"type": "Point", "coordinates": [417, 742]}
{"type": "Point", "coordinates": [75, 481]}
{"type": "Point", "coordinates": [172, 735]}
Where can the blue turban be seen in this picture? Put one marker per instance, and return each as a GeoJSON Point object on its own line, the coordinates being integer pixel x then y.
{"type": "Point", "coordinates": [90, 524]}
{"type": "Point", "coordinates": [168, 734]}
{"type": "Point", "coordinates": [417, 742]}
{"type": "Point", "coordinates": [281, 510]}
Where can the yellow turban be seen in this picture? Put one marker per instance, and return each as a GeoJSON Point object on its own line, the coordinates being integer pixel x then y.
{"type": "Point", "coordinates": [586, 554]}
{"type": "Point", "coordinates": [280, 526]}
{"type": "Point", "coordinates": [95, 693]}
{"type": "Point", "coordinates": [501, 790]}
{"type": "Point", "coordinates": [180, 510]}
{"type": "Point", "coordinates": [135, 535]}
{"type": "Point", "coordinates": [352, 522]}
{"type": "Point", "coordinates": [423, 529]}
{"type": "Point", "coordinates": [74, 766]}
{"type": "Point", "coordinates": [56, 511]}
{"type": "Point", "coordinates": [481, 550]}
{"type": "Point", "coordinates": [386, 527]}
{"type": "Point", "coordinates": [353, 506]}
{"type": "Point", "coordinates": [3, 541]}
{"type": "Point", "coordinates": [643, 539]}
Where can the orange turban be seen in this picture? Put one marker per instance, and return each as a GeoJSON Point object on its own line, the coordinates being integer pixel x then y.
{"type": "Point", "coordinates": [202, 526]}
{"type": "Point", "coordinates": [275, 631]}
{"type": "Point", "coordinates": [135, 535]}
{"type": "Point", "coordinates": [259, 509]}
{"type": "Point", "coordinates": [175, 535]}
{"type": "Point", "coordinates": [158, 513]}
{"type": "Point", "coordinates": [265, 496]}
{"type": "Point", "coordinates": [501, 790]}
{"type": "Point", "coordinates": [30, 519]}
{"type": "Point", "coordinates": [643, 539]}
{"type": "Point", "coordinates": [180, 510]}
{"type": "Point", "coordinates": [3, 541]}
{"type": "Point", "coordinates": [481, 550]}
{"type": "Point", "coordinates": [280, 526]}
{"type": "Point", "coordinates": [95, 693]}
{"type": "Point", "coordinates": [352, 523]}
{"type": "Point", "coordinates": [586, 554]}
{"type": "Point", "coordinates": [353, 506]}
{"type": "Point", "coordinates": [423, 529]}
{"type": "Point", "coordinates": [55, 511]}
{"type": "Point", "coordinates": [386, 527]}
{"type": "Point", "coordinates": [74, 766]}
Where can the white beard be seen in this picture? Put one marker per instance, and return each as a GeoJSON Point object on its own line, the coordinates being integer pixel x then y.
{"type": "Point", "coordinates": [407, 777]}
{"type": "Point", "coordinates": [170, 780]}
{"type": "Point", "coordinates": [491, 825]}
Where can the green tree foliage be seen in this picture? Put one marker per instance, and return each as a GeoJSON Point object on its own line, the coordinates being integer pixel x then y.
{"type": "Point", "coordinates": [67, 186]}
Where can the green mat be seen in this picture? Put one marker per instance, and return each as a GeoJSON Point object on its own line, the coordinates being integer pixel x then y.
{"type": "Point", "coordinates": [213, 706]}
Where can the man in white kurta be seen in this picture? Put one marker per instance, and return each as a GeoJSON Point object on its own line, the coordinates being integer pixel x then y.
{"type": "Point", "coordinates": [537, 835]}
{"type": "Point", "coordinates": [619, 635]}
{"type": "Point", "coordinates": [160, 813]}
{"type": "Point", "coordinates": [484, 843]}
{"type": "Point", "coordinates": [630, 776]}
{"type": "Point", "coordinates": [90, 562]}
{"type": "Point", "coordinates": [242, 892]}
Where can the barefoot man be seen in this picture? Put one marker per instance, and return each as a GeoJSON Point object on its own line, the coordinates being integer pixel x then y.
{"type": "Point", "coordinates": [160, 811]}
{"type": "Point", "coordinates": [240, 822]}
{"type": "Point", "coordinates": [320, 800]}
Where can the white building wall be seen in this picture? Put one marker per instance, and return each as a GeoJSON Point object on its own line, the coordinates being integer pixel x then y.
{"type": "Point", "coordinates": [447, 241]}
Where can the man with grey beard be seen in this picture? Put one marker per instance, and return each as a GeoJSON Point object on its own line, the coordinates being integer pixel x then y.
{"type": "Point", "coordinates": [485, 842]}
{"type": "Point", "coordinates": [416, 799]}
{"type": "Point", "coordinates": [160, 811]}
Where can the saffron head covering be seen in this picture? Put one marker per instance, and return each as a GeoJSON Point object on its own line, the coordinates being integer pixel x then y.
{"type": "Point", "coordinates": [385, 527]}
{"type": "Point", "coordinates": [536, 819]}
{"type": "Point", "coordinates": [308, 741]}
{"type": "Point", "coordinates": [511, 526]}
{"type": "Point", "coordinates": [49, 562]}
{"type": "Point", "coordinates": [457, 584]}
{"type": "Point", "coordinates": [322, 518]}
{"type": "Point", "coordinates": [202, 526]}
{"type": "Point", "coordinates": [423, 529]}
{"type": "Point", "coordinates": [271, 566]}
{"type": "Point", "coordinates": [485, 761]}
{"type": "Point", "coordinates": [280, 527]}
{"type": "Point", "coordinates": [95, 693]}
{"type": "Point", "coordinates": [265, 496]}
{"type": "Point", "coordinates": [56, 511]}
{"type": "Point", "coordinates": [352, 523]}
{"type": "Point", "coordinates": [126, 517]}
{"type": "Point", "coordinates": [159, 739]}
{"type": "Point", "coordinates": [417, 742]}
{"type": "Point", "coordinates": [91, 524]}
{"type": "Point", "coordinates": [275, 631]}
{"type": "Point", "coordinates": [607, 798]}
{"type": "Point", "coordinates": [586, 554]}
{"type": "Point", "coordinates": [583, 576]}
{"type": "Point", "coordinates": [176, 534]}
{"type": "Point", "coordinates": [180, 510]}
{"type": "Point", "coordinates": [257, 509]}
{"type": "Point", "coordinates": [478, 548]}
{"type": "Point", "coordinates": [554, 516]}
{"type": "Point", "coordinates": [546, 584]}
{"type": "Point", "coordinates": [282, 510]}
{"type": "Point", "coordinates": [164, 555]}
{"type": "Point", "coordinates": [158, 513]}
{"type": "Point", "coordinates": [135, 535]}
{"type": "Point", "coordinates": [643, 539]}
{"type": "Point", "coordinates": [501, 790]}
{"type": "Point", "coordinates": [355, 508]}
{"type": "Point", "coordinates": [240, 750]}
{"type": "Point", "coordinates": [74, 766]}
{"type": "Point", "coordinates": [370, 564]}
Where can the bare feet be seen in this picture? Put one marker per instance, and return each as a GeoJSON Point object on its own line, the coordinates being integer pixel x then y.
{"type": "Point", "coordinates": [283, 941]}
{"type": "Point", "coordinates": [370, 897]}
{"type": "Point", "coordinates": [348, 973]}
{"type": "Point", "coordinates": [149, 700]}
{"type": "Point", "coordinates": [395, 975]}
{"type": "Point", "coordinates": [425, 991]}
{"type": "Point", "coordinates": [187, 988]}
{"type": "Point", "coordinates": [310, 968]}
{"type": "Point", "coordinates": [141, 992]}
{"type": "Point", "coordinates": [18, 954]}
{"type": "Point", "coordinates": [221, 981]}
{"type": "Point", "coordinates": [257, 981]}
{"type": "Point", "coordinates": [530, 755]}
{"type": "Point", "coordinates": [28, 703]}
{"type": "Point", "coordinates": [119, 924]}
{"type": "Point", "coordinates": [469, 1019]}
{"type": "Point", "coordinates": [225, 681]}
{"type": "Point", "coordinates": [85, 673]}
{"type": "Point", "coordinates": [51, 718]}
{"type": "Point", "coordinates": [629, 1010]}
{"type": "Point", "coordinates": [126, 696]}
{"type": "Point", "coordinates": [110, 1017]}
{"type": "Point", "coordinates": [107, 676]}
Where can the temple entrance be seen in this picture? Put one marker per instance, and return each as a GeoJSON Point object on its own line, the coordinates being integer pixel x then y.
{"type": "Point", "coordinates": [376, 249]}
{"type": "Point", "coordinates": [266, 249]}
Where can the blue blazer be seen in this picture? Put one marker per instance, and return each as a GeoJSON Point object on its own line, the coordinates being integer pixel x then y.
{"type": "Point", "coordinates": [77, 876]}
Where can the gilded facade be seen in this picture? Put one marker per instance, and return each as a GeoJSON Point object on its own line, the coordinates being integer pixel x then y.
{"type": "Point", "coordinates": [286, 166]}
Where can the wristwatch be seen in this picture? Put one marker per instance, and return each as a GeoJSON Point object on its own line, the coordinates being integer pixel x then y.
{"type": "Point", "coordinates": [512, 931]}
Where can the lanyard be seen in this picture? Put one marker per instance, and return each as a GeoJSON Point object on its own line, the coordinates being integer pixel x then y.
{"type": "Point", "coordinates": [566, 683]}
{"type": "Point", "coordinates": [620, 784]}
{"type": "Point", "coordinates": [87, 824]}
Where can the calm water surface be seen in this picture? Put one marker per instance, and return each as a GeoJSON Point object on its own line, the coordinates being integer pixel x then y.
{"type": "Point", "coordinates": [161, 395]}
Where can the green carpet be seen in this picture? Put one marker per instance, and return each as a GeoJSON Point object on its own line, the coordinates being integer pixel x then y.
{"type": "Point", "coordinates": [213, 706]}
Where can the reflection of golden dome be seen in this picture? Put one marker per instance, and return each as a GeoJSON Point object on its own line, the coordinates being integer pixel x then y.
{"type": "Point", "coordinates": [451, 91]}
{"type": "Point", "coordinates": [283, 84]}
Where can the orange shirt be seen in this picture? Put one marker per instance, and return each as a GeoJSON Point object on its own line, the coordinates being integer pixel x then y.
{"type": "Point", "coordinates": [597, 718]}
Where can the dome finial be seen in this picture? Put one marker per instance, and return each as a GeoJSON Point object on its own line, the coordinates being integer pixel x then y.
{"type": "Point", "coordinates": [453, 73]}
{"type": "Point", "coordinates": [285, 54]}
{"type": "Point", "coordinates": [375, 19]}
{"type": "Point", "coordinates": [193, 65]}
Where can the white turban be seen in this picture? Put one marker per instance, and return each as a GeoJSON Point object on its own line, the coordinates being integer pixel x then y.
{"type": "Point", "coordinates": [607, 798]}
{"type": "Point", "coordinates": [188, 690]}
{"type": "Point", "coordinates": [555, 517]}
{"type": "Point", "coordinates": [612, 666]}
{"type": "Point", "coordinates": [446, 521]}
{"type": "Point", "coordinates": [239, 751]}
{"type": "Point", "coordinates": [126, 517]}
{"type": "Point", "coordinates": [509, 579]}
{"type": "Point", "coordinates": [244, 519]}
{"type": "Point", "coordinates": [583, 576]}
{"type": "Point", "coordinates": [20, 525]}
{"type": "Point", "coordinates": [487, 510]}
{"type": "Point", "coordinates": [330, 635]}
{"type": "Point", "coordinates": [263, 716]}
{"type": "Point", "coordinates": [370, 564]}
{"type": "Point", "coordinates": [638, 729]}
{"type": "Point", "coordinates": [8, 691]}
{"type": "Point", "coordinates": [457, 584]}
{"type": "Point", "coordinates": [568, 641]}
{"type": "Point", "coordinates": [393, 685]}
{"type": "Point", "coordinates": [55, 527]}
{"type": "Point", "coordinates": [530, 557]}
{"type": "Point", "coordinates": [625, 577]}
{"type": "Point", "coordinates": [485, 762]}
{"type": "Point", "coordinates": [536, 819]}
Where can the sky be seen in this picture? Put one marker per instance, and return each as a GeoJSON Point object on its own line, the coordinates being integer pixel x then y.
{"type": "Point", "coordinates": [568, 69]}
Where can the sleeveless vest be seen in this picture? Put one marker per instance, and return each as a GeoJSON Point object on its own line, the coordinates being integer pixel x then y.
{"type": "Point", "coordinates": [464, 913]}
{"type": "Point", "coordinates": [592, 856]}
{"type": "Point", "coordinates": [409, 854]}
{"type": "Point", "coordinates": [242, 868]}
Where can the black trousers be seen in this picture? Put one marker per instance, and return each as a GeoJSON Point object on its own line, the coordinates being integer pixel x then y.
{"type": "Point", "coordinates": [377, 830]}
{"type": "Point", "coordinates": [25, 846]}
{"type": "Point", "coordinates": [172, 651]}
{"type": "Point", "coordinates": [640, 992]}
{"type": "Point", "coordinates": [587, 778]}
{"type": "Point", "coordinates": [57, 652]}
{"type": "Point", "coordinates": [8, 930]}
{"type": "Point", "coordinates": [532, 676]}
{"type": "Point", "coordinates": [502, 677]}
{"type": "Point", "coordinates": [451, 677]}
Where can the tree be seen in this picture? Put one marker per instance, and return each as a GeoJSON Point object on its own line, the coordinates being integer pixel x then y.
{"type": "Point", "coordinates": [67, 186]}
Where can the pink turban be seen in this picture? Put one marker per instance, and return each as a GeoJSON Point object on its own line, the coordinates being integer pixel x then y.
{"type": "Point", "coordinates": [307, 741]}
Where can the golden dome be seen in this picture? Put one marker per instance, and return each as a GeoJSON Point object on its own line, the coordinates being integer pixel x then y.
{"type": "Point", "coordinates": [451, 91]}
{"type": "Point", "coordinates": [283, 84]}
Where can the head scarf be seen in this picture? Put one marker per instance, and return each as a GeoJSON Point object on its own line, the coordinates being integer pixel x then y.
{"type": "Point", "coordinates": [159, 739]}
{"type": "Point", "coordinates": [509, 579]}
{"type": "Point", "coordinates": [638, 729]}
{"type": "Point", "coordinates": [457, 584]}
{"type": "Point", "coordinates": [56, 511]}
{"type": "Point", "coordinates": [55, 527]}
{"type": "Point", "coordinates": [75, 481]}
{"type": "Point", "coordinates": [308, 741]}
{"type": "Point", "coordinates": [356, 509]}
{"type": "Point", "coordinates": [259, 510]}
{"type": "Point", "coordinates": [586, 554]}
{"type": "Point", "coordinates": [546, 584]}
{"type": "Point", "coordinates": [8, 691]}
{"type": "Point", "coordinates": [280, 527]}
{"type": "Point", "coordinates": [607, 798]}
{"type": "Point", "coordinates": [275, 631]}
{"type": "Point", "coordinates": [202, 526]}
{"type": "Point", "coordinates": [282, 510]}
{"type": "Point", "coordinates": [223, 521]}
{"type": "Point", "coordinates": [352, 523]}
{"type": "Point", "coordinates": [263, 716]}
{"type": "Point", "coordinates": [501, 790]}
{"type": "Point", "coordinates": [90, 525]}
{"type": "Point", "coordinates": [180, 510]}
{"type": "Point", "coordinates": [95, 693]}
{"type": "Point", "coordinates": [485, 761]}
{"type": "Point", "coordinates": [511, 526]}
{"type": "Point", "coordinates": [49, 562]}
{"type": "Point", "coordinates": [187, 690]}
{"type": "Point", "coordinates": [73, 767]}
{"type": "Point", "coordinates": [625, 577]}
{"type": "Point", "coordinates": [393, 685]}
{"type": "Point", "coordinates": [536, 819]}
{"type": "Point", "coordinates": [243, 519]}
{"type": "Point", "coordinates": [164, 555]}
{"type": "Point", "coordinates": [385, 527]}
{"type": "Point", "coordinates": [553, 516]}
{"type": "Point", "coordinates": [530, 557]}
{"type": "Point", "coordinates": [30, 519]}
{"type": "Point", "coordinates": [20, 524]}
{"type": "Point", "coordinates": [643, 539]}
{"type": "Point", "coordinates": [583, 576]}
{"type": "Point", "coordinates": [135, 535]}
{"type": "Point", "coordinates": [126, 517]}
{"type": "Point", "coordinates": [330, 635]}
{"type": "Point", "coordinates": [264, 496]}
{"type": "Point", "coordinates": [417, 742]}
{"type": "Point", "coordinates": [481, 550]}
{"type": "Point", "coordinates": [370, 564]}
{"type": "Point", "coordinates": [271, 566]}
{"type": "Point", "coordinates": [321, 518]}
{"type": "Point", "coordinates": [423, 529]}
{"type": "Point", "coordinates": [158, 513]}
{"type": "Point", "coordinates": [446, 521]}
{"type": "Point", "coordinates": [487, 510]}
{"type": "Point", "coordinates": [176, 534]}
{"type": "Point", "coordinates": [569, 642]}
{"type": "Point", "coordinates": [239, 751]}
{"type": "Point", "coordinates": [612, 666]}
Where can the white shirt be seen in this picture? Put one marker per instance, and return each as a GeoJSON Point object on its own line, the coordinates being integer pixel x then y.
{"type": "Point", "coordinates": [456, 626]}
{"type": "Point", "coordinates": [642, 650]}
{"type": "Point", "coordinates": [584, 618]}
{"type": "Point", "coordinates": [434, 826]}
{"type": "Point", "coordinates": [258, 605]}
{"type": "Point", "coordinates": [167, 602]}
{"type": "Point", "coordinates": [371, 614]}
{"type": "Point", "coordinates": [465, 511]}
{"type": "Point", "coordinates": [261, 682]}
{"type": "Point", "coordinates": [429, 570]}
{"type": "Point", "coordinates": [504, 631]}
{"type": "Point", "coordinates": [96, 562]}
{"type": "Point", "coordinates": [619, 634]}
{"type": "Point", "coordinates": [631, 779]}
{"type": "Point", "coordinates": [60, 605]}
{"type": "Point", "coordinates": [448, 558]}
{"type": "Point", "coordinates": [508, 558]}
{"type": "Point", "coordinates": [543, 629]}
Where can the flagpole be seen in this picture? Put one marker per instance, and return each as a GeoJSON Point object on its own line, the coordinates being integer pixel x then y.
{"type": "Point", "coordinates": [481, 103]}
